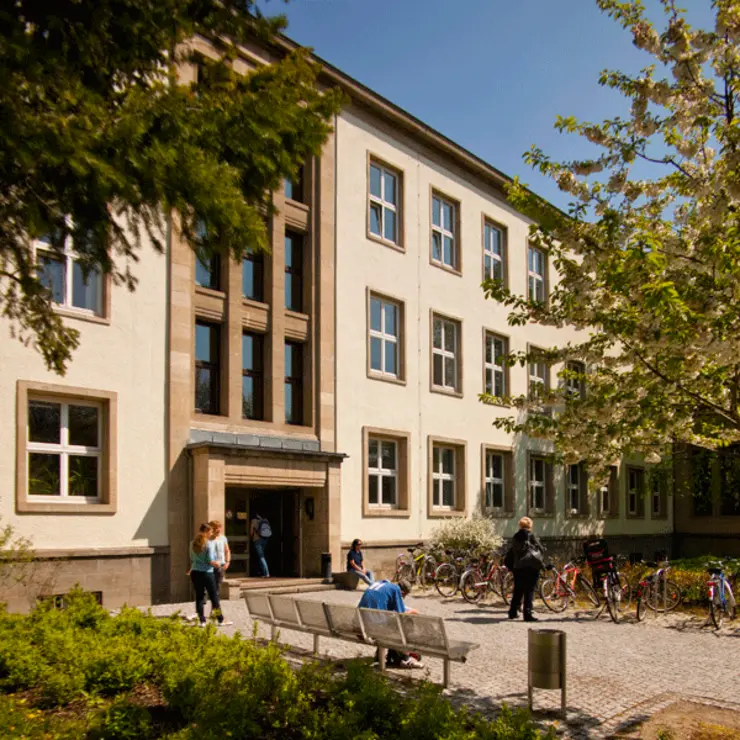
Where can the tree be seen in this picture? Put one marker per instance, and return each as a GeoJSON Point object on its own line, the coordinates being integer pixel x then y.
{"type": "Point", "coordinates": [99, 143]}
{"type": "Point", "coordinates": [648, 253]}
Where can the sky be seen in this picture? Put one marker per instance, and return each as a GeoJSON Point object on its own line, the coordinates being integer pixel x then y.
{"type": "Point", "coordinates": [492, 75]}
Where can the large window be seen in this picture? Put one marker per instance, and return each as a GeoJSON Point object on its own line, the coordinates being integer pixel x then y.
{"type": "Point", "coordinates": [495, 369]}
{"type": "Point", "coordinates": [294, 187]}
{"type": "Point", "coordinates": [445, 250]}
{"type": "Point", "coordinates": [495, 480]}
{"type": "Point", "coordinates": [253, 277]}
{"type": "Point", "coordinates": [293, 383]}
{"type": "Point", "coordinates": [384, 203]}
{"type": "Point", "coordinates": [443, 477]}
{"type": "Point", "coordinates": [252, 376]}
{"type": "Point", "coordinates": [576, 490]}
{"type": "Point", "coordinates": [207, 367]}
{"type": "Point", "coordinates": [293, 272]}
{"type": "Point", "coordinates": [208, 271]}
{"type": "Point", "coordinates": [385, 334]}
{"type": "Point", "coordinates": [540, 485]}
{"type": "Point", "coordinates": [537, 267]}
{"type": "Point", "coordinates": [493, 253]}
{"type": "Point", "coordinates": [575, 383]}
{"type": "Point", "coordinates": [539, 376]}
{"type": "Point", "coordinates": [445, 354]}
{"type": "Point", "coordinates": [64, 449]}
{"type": "Point", "coordinates": [635, 492]}
{"type": "Point", "coordinates": [62, 274]}
{"type": "Point", "coordinates": [608, 496]}
{"type": "Point", "coordinates": [382, 471]}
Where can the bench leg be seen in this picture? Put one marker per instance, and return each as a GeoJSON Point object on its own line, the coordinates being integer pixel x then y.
{"type": "Point", "coordinates": [381, 658]}
{"type": "Point", "coordinates": [315, 644]}
{"type": "Point", "coordinates": [446, 673]}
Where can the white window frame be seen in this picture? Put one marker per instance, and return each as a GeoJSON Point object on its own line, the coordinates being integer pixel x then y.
{"type": "Point", "coordinates": [490, 253]}
{"type": "Point", "coordinates": [445, 354]}
{"type": "Point", "coordinates": [655, 497]}
{"type": "Point", "coordinates": [535, 278]}
{"type": "Point", "coordinates": [633, 493]}
{"type": "Point", "coordinates": [384, 338]}
{"type": "Point", "coordinates": [383, 203]}
{"type": "Point", "coordinates": [378, 473]}
{"type": "Point", "coordinates": [537, 487]}
{"type": "Point", "coordinates": [574, 387]}
{"type": "Point", "coordinates": [451, 234]}
{"type": "Point", "coordinates": [439, 476]}
{"type": "Point", "coordinates": [492, 368]}
{"type": "Point", "coordinates": [64, 450]}
{"type": "Point", "coordinates": [605, 495]}
{"type": "Point", "coordinates": [573, 489]}
{"type": "Point", "coordinates": [68, 258]}
{"type": "Point", "coordinates": [538, 380]}
{"type": "Point", "coordinates": [492, 481]}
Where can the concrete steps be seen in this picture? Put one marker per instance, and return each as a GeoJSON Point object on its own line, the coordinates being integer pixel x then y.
{"type": "Point", "coordinates": [237, 587]}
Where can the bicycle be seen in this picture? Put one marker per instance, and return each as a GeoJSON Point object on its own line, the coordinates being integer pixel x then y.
{"type": "Point", "coordinates": [656, 592]}
{"type": "Point", "coordinates": [448, 574]}
{"type": "Point", "coordinates": [566, 586]}
{"type": "Point", "coordinates": [488, 575]}
{"type": "Point", "coordinates": [418, 569]}
{"type": "Point", "coordinates": [721, 599]}
{"type": "Point", "coordinates": [617, 592]}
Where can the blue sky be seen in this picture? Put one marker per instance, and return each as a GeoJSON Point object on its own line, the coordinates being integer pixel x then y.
{"type": "Point", "coordinates": [490, 74]}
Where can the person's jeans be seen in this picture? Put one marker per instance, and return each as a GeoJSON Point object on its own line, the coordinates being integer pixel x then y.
{"type": "Point", "coordinates": [259, 548]}
{"type": "Point", "coordinates": [525, 581]}
{"type": "Point", "coordinates": [205, 583]}
{"type": "Point", "coordinates": [367, 576]}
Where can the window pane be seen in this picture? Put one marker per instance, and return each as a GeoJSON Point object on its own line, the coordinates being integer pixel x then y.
{"type": "Point", "coordinates": [435, 459]}
{"type": "Point", "coordinates": [249, 409]}
{"type": "Point", "coordinates": [51, 275]}
{"type": "Point", "coordinates": [389, 491]}
{"type": "Point", "coordinates": [499, 384]}
{"type": "Point", "coordinates": [204, 390]}
{"type": "Point", "coordinates": [288, 360]}
{"type": "Point", "coordinates": [448, 252]}
{"type": "Point", "coordinates": [488, 266]}
{"type": "Point", "coordinates": [497, 466]}
{"type": "Point", "coordinates": [43, 474]}
{"type": "Point", "coordinates": [247, 352]}
{"type": "Point", "coordinates": [447, 216]}
{"type": "Point", "coordinates": [85, 292]}
{"type": "Point", "coordinates": [389, 455]}
{"type": "Point", "coordinates": [448, 493]}
{"type": "Point", "coordinates": [44, 422]}
{"type": "Point", "coordinates": [203, 337]}
{"type": "Point", "coordinates": [538, 472]}
{"type": "Point", "coordinates": [372, 453]}
{"type": "Point", "coordinates": [389, 225]}
{"type": "Point", "coordinates": [203, 275]}
{"type": "Point", "coordinates": [390, 358]}
{"type": "Point", "coordinates": [376, 354]}
{"type": "Point", "coordinates": [449, 378]}
{"type": "Point", "coordinates": [83, 426]}
{"type": "Point", "coordinates": [290, 247]}
{"type": "Point", "coordinates": [436, 217]}
{"type": "Point", "coordinates": [437, 334]}
{"type": "Point", "coordinates": [372, 489]}
{"type": "Point", "coordinates": [436, 246]}
{"type": "Point", "coordinates": [376, 323]}
{"type": "Point", "coordinates": [498, 495]}
{"type": "Point", "coordinates": [448, 460]}
{"type": "Point", "coordinates": [389, 187]}
{"type": "Point", "coordinates": [489, 381]}
{"type": "Point", "coordinates": [390, 319]}
{"type": "Point", "coordinates": [288, 188]}
{"type": "Point", "coordinates": [83, 476]}
{"type": "Point", "coordinates": [498, 354]}
{"type": "Point", "coordinates": [437, 370]}
{"type": "Point", "coordinates": [375, 211]}
{"type": "Point", "coordinates": [289, 287]}
{"type": "Point", "coordinates": [375, 180]}
{"type": "Point", "coordinates": [498, 270]}
{"type": "Point", "coordinates": [449, 337]}
{"type": "Point", "coordinates": [289, 401]}
{"type": "Point", "coordinates": [252, 277]}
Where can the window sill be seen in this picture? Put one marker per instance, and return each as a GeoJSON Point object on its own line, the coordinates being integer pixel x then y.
{"type": "Point", "coordinates": [541, 514]}
{"type": "Point", "coordinates": [445, 391]}
{"type": "Point", "coordinates": [386, 378]}
{"type": "Point", "coordinates": [437, 513]}
{"type": "Point", "coordinates": [212, 292]}
{"type": "Point", "coordinates": [446, 268]}
{"type": "Point", "coordinates": [57, 507]}
{"type": "Point", "coordinates": [385, 243]}
{"type": "Point", "coordinates": [498, 514]}
{"type": "Point", "coordinates": [208, 415]}
{"type": "Point", "coordinates": [254, 303]}
{"type": "Point", "coordinates": [82, 315]}
{"type": "Point", "coordinates": [389, 513]}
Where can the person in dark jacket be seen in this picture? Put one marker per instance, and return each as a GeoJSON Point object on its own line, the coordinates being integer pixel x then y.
{"type": "Point", "coordinates": [525, 567]}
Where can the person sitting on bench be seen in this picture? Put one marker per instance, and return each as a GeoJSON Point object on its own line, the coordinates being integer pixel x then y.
{"type": "Point", "coordinates": [356, 563]}
{"type": "Point", "coordinates": [389, 597]}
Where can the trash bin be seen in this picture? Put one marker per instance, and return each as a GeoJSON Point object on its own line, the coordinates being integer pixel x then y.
{"type": "Point", "coordinates": [326, 567]}
{"type": "Point", "coordinates": [547, 663]}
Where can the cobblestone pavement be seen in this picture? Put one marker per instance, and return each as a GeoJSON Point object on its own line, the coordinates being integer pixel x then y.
{"type": "Point", "coordinates": [616, 673]}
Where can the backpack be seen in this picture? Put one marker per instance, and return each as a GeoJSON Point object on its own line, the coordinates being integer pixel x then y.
{"type": "Point", "coordinates": [264, 529]}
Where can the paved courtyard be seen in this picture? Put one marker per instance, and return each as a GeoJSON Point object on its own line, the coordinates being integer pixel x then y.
{"type": "Point", "coordinates": [616, 673]}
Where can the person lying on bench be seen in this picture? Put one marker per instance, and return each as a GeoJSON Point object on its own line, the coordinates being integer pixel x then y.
{"type": "Point", "coordinates": [356, 563]}
{"type": "Point", "coordinates": [389, 597]}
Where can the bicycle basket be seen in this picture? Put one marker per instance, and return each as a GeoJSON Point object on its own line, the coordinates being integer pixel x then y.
{"type": "Point", "coordinates": [595, 550]}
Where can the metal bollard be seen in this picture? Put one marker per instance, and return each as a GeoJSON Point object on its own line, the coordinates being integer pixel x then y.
{"type": "Point", "coordinates": [547, 663]}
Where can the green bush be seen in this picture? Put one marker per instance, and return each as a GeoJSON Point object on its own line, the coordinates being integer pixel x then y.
{"type": "Point", "coordinates": [122, 720]}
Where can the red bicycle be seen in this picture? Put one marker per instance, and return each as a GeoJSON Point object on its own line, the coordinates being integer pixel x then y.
{"type": "Point", "coordinates": [567, 586]}
{"type": "Point", "coordinates": [487, 575]}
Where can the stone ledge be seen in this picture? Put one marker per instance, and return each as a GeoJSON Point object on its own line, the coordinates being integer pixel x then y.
{"type": "Point", "coordinates": [101, 552]}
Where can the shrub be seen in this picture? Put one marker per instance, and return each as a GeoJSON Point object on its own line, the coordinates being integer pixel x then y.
{"type": "Point", "coordinates": [477, 534]}
{"type": "Point", "coordinates": [122, 720]}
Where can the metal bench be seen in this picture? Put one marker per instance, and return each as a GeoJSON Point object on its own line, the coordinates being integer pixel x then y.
{"type": "Point", "coordinates": [385, 630]}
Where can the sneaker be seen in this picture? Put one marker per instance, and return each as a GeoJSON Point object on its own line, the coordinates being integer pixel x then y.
{"type": "Point", "coordinates": [225, 623]}
{"type": "Point", "coordinates": [411, 663]}
{"type": "Point", "coordinates": [202, 625]}
{"type": "Point", "coordinates": [192, 618]}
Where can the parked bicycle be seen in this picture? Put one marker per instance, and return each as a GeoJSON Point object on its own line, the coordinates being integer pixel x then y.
{"type": "Point", "coordinates": [487, 575]}
{"type": "Point", "coordinates": [656, 592]}
{"type": "Point", "coordinates": [721, 599]}
{"type": "Point", "coordinates": [416, 567]}
{"type": "Point", "coordinates": [567, 586]}
{"type": "Point", "coordinates": [448, 574]}
{"type": "Point", "coordinates": [612, 587]}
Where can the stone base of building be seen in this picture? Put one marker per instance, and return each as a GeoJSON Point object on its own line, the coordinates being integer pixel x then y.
{"type": "Point", "coordinates": [720, 545]}
{"type": "Point", "coordinates": [137, 576]}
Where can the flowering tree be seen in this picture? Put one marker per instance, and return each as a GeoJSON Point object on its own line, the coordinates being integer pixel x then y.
{"type": "Point", "coordinates": [648, 253]}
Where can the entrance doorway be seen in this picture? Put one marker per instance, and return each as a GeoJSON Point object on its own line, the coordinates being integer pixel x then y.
{"type": "Point", "coordinates": [280, 507]}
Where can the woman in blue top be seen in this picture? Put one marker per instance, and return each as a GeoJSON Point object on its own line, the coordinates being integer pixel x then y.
{"type": "Point", "coordinates": [202, 563]}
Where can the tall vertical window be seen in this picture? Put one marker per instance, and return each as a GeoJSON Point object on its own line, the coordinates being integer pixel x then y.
{"type": "Point", "coordinates": [207, 271]}
{"type": "Point", "coordinates": [294, 187]}
{"type": "Point", "coordinates": [493, 253]}
{"type": "Point", "coordinates": [537, 484]}
{"type": "Point", "coordinates": [64, 450]}
{"type": "Point", "coordinates": [538, 377]}
{"type": "Point", "coordinates": [445, 350]}
{"type": "Point", "coordinates": [383, 202]}
{"type": "Point", "coordinates": [574, 487]}
{"type": "Point", "coordinates": [253, 276]}
{"type": "Point", "coordinates": [293, 272]}
{"type": "Point", "coordinates": [293, 383]}
{"type": "Point", "coordinates": [252, 376]}
{"type": "Point", "coordinates": [605, 500]}
{"type": "Point", "coordinates": [59, 270]}
{"type": "Point", "coordinates": [207, 367]}
{"type": "Point", "coordinates": [382, 471]}
{"type": "Point", "coordinates": [575, 384]}
{"type": "Point", "coordinates": [443, 477]}
{"type": "Point", "coordinates": [384, 337]}
{"type": "Point", "coordinates": [495, 370]}
{"type": "Point", "coordinates": [536, 274]}
{"type": "Point", "coordinates": [495, 470]}
{"type": "Point", "coordinates": [635, 491]}
{"type": "Point", "coordinates": [444, 233]}
{"type": "Point", "coordinates": [655, 497]}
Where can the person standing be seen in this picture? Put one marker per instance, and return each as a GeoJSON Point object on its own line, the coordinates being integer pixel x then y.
{"type": "Point", "coordinates": [524, 558]}
{"type": "Point", "coordinates": [260, 531]}
{"type": "Point", "coordinates": [356, 563]}
{"type": "Point", "coordinates": [222, 552]}
{"type": "Point", "coordinates": [202, 565]}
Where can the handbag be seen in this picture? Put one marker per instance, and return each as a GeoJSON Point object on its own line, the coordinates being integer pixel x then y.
{"type": "Point", "coordinates": [531, 557]}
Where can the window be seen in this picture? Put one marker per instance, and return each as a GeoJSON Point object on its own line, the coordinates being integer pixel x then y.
{"type": "Point", "coordinates": [702, 466]}
{"type": "Point", "coordinates": [655, 497]}
{"type": "Point", "coordinates": [445, 351]}
{"type": "Point", "coordinates": [536, 274]}
{"type": "Point", "coordinates": [382, 471]}
{"type": "Point", "coordinates": [635, 492]}
{"type": "Point", "coordinates": [495, 477]}
{"type": "Point", "coordinates": [207, 367]}
{"type": "Point", "coordinates": [608, 495]}
{"type": "Point", "coordinates": [294, 187]}
{"type": "Point", "coordinates": [64, 448]}
{"type": "Point", "coordinates": [729, 471]}
{"type": "Point", "coordinates": [207, 271]}
{"type": "Point", "coordinates": [495, 371]}
{"type": "Point", "coordinates": [443, 477]}
{"type": "Point", "coordinates": [384, 337]}
{"type": "Point", "coordinates": [383, 202]}
{"type": "Point", "coordinates": [252, 376]}
{"type": "Point", "coordinates": [539, 376]}
{"type": "Point", "coordinates": [604, 500]}
{"type": "Point", "coordinates": [575, 385]}
{"type": "Point", "coordinates": [293, 383]}
{"type": "Point", "coordinates": [444, 230]}
{"type": "Point", "coordinates": [59, 270]}
{"type": "Point", "coordinates": [576, 490]}
{"type": "Point", "coordinates": [493, 253]}
{"type": "Point", "coordinates": [537, 484]}
{"type": "Point", "coordinates": [293, 272]}
{"type": "Point", "coordinates": [253, 276]}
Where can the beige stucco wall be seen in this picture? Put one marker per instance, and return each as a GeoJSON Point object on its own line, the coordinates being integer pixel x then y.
{"type": "Point", "coordinates": [126, 357]}
{"type": "Point", "coordinates": [364, 264]}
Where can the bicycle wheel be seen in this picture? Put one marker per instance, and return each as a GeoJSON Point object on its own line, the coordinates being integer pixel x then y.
{"type": "Point", "coordinates": [406, 572]}
{"type": "Point", "coordinates": [613, 599]}
{"type": "Point", "coordinates": [625, 595]}
{"type": "Point", "coordinates": [428, 568]}
{"type": "Point", "coordinates": [507, 588]}
{"type": "Point", "coordinates": [446, 580]}
{"type": "Point", "coordinates": [472, 586]}
{"type": "Point", "coordinates": [554, 594]}
{"type": "Point", "coordinates": [644, 598]}
{"type": "Point", "coordinates": [586, 597]}
{"type": "Point", "coordinates": [672, 594]}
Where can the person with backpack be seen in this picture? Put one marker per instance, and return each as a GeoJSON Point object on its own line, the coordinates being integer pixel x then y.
{"type": "Point", "coordinates": [524, 559]}
{"type": "Point", "coordinates": [260, 532]}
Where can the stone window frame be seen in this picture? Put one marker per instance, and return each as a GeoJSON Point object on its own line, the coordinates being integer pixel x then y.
{"type": "Point", "coordinates": [548, 485]}
{"type": "Point", "coordinates": [639, 512]}
{"type": "Point", "coordinates": [583, 509]}
{"type": "Point", "coordinates": [509, 503]}
{"type": "Point", "coordinates": [400, 377]}
{"type": "Point", "coordinates": [108, 401]}
{"type": "Point", "coordinates": [397, 172]}
{"type": "Point", "coordinates": [460, 448]}
{"type": "Point", "coordinates": [544, 278]}
{"type": "Point", "coordinates": [457, 266]}
{"type": "Point", "coordinates": [403, 473]}
{"type": "Point", "coordinates": [457, 391]}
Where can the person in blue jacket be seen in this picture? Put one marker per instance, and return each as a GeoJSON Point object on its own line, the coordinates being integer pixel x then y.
{"type": "Point", "coordinates": [356, 563]}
